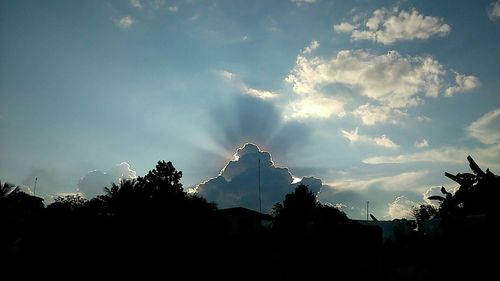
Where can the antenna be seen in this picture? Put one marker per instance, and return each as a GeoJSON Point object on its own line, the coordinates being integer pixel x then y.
{"type": "Point", "coordinates": [260, 201]}
{"type": "Point", "coordinates": [367, 204]}
{"type": "Point", "coordinates": [34, 188]}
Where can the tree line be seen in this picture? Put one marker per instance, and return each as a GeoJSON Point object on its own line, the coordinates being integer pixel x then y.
{"type": "Point", "coordinates": [150, 225]}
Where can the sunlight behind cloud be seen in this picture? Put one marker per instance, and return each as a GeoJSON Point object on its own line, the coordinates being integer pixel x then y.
{"type": "Point", "coordinates": [316, 107]}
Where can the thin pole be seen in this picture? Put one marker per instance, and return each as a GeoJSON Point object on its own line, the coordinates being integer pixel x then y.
{"type": "Point", "coordinates": [260, 201]}
{"type": "Point", "coordinates": [34, 188]}
{"type": "Point", "coordinates": [367, 203]}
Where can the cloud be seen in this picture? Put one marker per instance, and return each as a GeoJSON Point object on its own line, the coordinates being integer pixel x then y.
{"type": "Point", "coordinates": [401, 208]}
{"type": "Point", "coordinates": [354, 192]}
{"type": "Point", "coordinates": [484, 156]}
{"type": "Point", "coordinates": [494, 11]}
{"type": "Point", "coordinates": [464, 83]}
{"type": "Point", "coordinates": [431, 191]}
{"type": "Point", "coordinates": [345, 27]}
{"type": "Point", "coordinates": [227, 74]}
{"type": "Point", "coordinates": [389, 26]}
{"type": "Point", "coordinates": [422, 144]}
{"type": "Point", "coordinates": [423, 118]}
{"type": "Point", "coordinates": [388, 183]}
{"type": "Point", "coordinates": [382, 141]}
{"type": "Point", "coordinates": [301, 2]}
{"type": "Point", "coordinates": [313, 46]}
{"type": "Point", "coordinates": [125, 22]}
{"type": "Point", "coordinates": [173, 9]}
{"type": "Point", "coordinates": [315, 106]}
{"type": "Point", "coordinates": [93, 183]}
{"type": "Point", "coordinates": [241, 86]}
{"type": "Point", "coordinates": [136, 4]}
{"type": "Point", "coordinates": [237, 183]}
{"type": "Point", "coordinates": [371, 115]}
{"type": "Point", "coordinates": [390, 82]}
{"type": "Point", "coordinates": [487, 128]}
{"type": "Point", "coordinates": [391, 79]}
{"type": "Point", "coordinates": [260, 94]}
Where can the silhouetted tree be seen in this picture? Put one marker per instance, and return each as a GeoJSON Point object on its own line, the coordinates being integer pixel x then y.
{"type": "Point", "coordinates": [477, 194]}
{"type": "Point", "coordinates": [124, 198]}
{"type": "Point", "coordinates": [297, 209]}
{"type": "Point", "coordinates": [469, 219]}
{"type": "Point", "coordinates": [423, 213]}
{"type": "Point", "coordinates": [302, 213]}
{"type": "Point", "coordinates": [68, 202]}
{"type": "Point", "coordinates": [164, 180]}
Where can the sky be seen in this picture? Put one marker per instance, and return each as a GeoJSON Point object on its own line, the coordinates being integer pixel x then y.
{"type": "Point", "coordinates": [361, 100]}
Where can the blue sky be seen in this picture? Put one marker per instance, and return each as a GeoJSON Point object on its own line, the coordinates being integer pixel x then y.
{"type": "Point", "coordinates": [375, 98]}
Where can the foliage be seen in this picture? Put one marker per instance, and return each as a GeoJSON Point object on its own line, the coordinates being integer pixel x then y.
{"type": "Point", "coordinates": [476, 195]}
{"type": "Point", "coordinates": [302, 213]}
{"type": "Point", "coordinates": [423, 213]}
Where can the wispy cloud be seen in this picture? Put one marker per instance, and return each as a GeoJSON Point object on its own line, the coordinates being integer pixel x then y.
{"type": "Point", "coordinates": [487, 128]}
{"type": "Point", "coordinates": [261, 94]}
{"type": "Point", "coordinates": [371, 115]}
{"type": "Point", "coordinates": [345, 27]}
{"type": "Point", "coordinates": [382, 141]}
{"type": "Point", "coordinates": [390, 183]}
{"type": "Point", "coordinates": [302, 2]}
{"type": "Point", "coordinates": [125, 22]}
{"type": "Point", "coordinates": [313, 46]}
{"type": "Point", "coordinates": [136, 4]}
{"type": "Point", "coordinates": [423, 118]}
{"type": "Point", "coordinates": [241, 86]}
{"type": "Point", "coordinates": [227, 74]}
{"type": "Point", "coordinates": [173, 9]}
{"type": "Point", "coordinates": [487, 156]}
{"type": "Point", "coordinates": [422, 144]}
{"type": "Point", "coordinates": [389, 26]}
{"type": "Point", "coordinates": [494, 11]}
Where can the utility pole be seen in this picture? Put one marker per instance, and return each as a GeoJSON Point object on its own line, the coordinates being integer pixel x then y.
{"type": "Point", "coordinates": [260, 201]}
{"type": "Point", "coordinates": [34, 188]}
{"type": "Point", "coordinates": [367, 203]}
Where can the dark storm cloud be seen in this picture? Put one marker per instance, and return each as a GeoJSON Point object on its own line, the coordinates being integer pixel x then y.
{"type": "Point", "coordinates": [237, 184]}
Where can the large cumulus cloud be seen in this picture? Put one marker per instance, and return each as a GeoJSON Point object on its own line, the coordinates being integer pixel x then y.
{"type": "Point", "coordinates": [237, 183]}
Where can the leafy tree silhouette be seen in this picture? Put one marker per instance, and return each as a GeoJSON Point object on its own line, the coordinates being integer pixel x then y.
{"type": "Point", "coordinates": [302, 213]}
{"type": "Point", "coordinates": [164, 180]}
{"type": "Point", "coordinates": [469, 219]}
{"type": "Point", "coordinates": [296, 211]}
{"type": "Point", "coordinates": [476, 195]}
{"type": "Point", "coordinates": [423, 213]}
{"type": "Point", "coordinates": [68, 203]}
